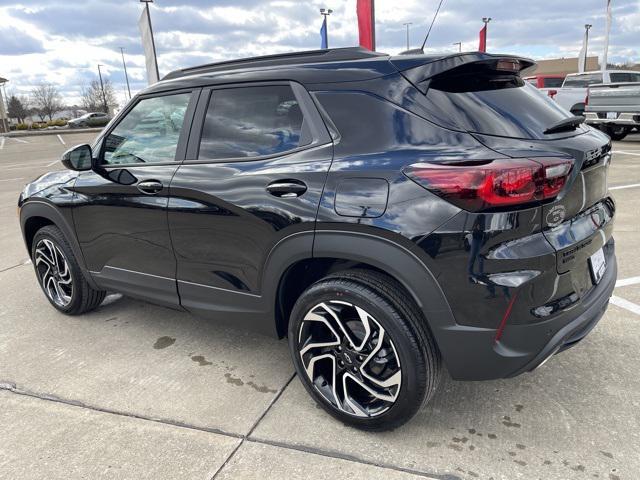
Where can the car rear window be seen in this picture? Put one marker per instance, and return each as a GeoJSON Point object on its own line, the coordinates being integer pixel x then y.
{"type": "Point", "coordinates": [494, 103]}
{"type": "Point", "coordinates": [553, 82]}
{"type": "Point", "coordinates": [583, 81]}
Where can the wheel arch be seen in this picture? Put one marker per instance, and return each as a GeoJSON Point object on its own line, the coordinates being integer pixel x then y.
{"type": "Point", "coordinates": [306, 260]}
{"type": "Point", "coordinates": [35, 214]}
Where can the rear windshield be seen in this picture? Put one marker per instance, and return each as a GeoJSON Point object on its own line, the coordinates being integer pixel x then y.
{"type": "Point", "coordinates": [492, 103]}
{"type": "Point", "coordinates": [624, 77]}
{"type": "Point", "coordinates": [583, 81]}
{"type": "Point", "coordinates": [553, 82]}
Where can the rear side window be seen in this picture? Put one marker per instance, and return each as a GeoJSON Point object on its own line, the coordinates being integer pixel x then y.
{"type": "Point", "coordinates": [582, 81]}
{"type": "Point", "coordinates": [623, 77]}
{"type": "Point", "coordinates": [251, 122]}
{"type": "Point", "coordinates": [493, 103]}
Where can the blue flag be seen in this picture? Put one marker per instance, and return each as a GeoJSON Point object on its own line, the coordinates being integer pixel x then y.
{"type": "Point", "coordinates": [324, 41]}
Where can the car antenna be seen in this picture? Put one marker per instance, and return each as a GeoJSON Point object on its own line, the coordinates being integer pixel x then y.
{"type": "Point", "coordinates": [431, 26]}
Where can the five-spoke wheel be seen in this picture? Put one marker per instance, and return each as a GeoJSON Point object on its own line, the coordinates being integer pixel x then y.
{"type": "Point", "coordinates": [362, 349]}
{"type": "Point", "coordinates": [60, 275]}
{"type": "Point", "coordinates": [349, 358]}
{"type": "Point", "coordinates": [53, 272]}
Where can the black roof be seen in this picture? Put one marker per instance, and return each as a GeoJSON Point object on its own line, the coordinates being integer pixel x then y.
{"type": "Point", "coordinates": [320, 67]}
{"type": "Point", "coordinates": [279, 60]}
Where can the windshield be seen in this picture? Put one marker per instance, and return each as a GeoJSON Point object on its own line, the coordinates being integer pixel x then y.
{"type": "Point", "coordinates": [622, 77]}
{"type": "Point", "coordinates": [496, 104]}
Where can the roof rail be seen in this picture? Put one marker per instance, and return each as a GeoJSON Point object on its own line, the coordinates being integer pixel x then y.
{"type": "Point", "coordinates": [311, 56]}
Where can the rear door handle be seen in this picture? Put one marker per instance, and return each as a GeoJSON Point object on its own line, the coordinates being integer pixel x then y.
{"type": "Point", "coordinates": [150, 187]}
{"type": "Point", "coordinates": [286, 188]}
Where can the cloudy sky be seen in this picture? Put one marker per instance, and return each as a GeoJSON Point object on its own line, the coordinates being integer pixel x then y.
{"type": "Point", "coordinates": [62, 42]}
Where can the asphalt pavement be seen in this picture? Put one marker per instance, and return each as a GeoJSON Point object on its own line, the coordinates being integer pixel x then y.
{"type": "Point", "coordinates": [136, 391]}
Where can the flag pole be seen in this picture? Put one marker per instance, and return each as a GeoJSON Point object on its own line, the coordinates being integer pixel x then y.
{"type": "Point", "coordinates": [605, 53]}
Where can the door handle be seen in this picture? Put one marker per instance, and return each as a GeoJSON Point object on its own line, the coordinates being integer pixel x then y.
{"type": "Point", "coordinates": [150, 187]}
{"type": "Point", "coordinates": [286, 188]}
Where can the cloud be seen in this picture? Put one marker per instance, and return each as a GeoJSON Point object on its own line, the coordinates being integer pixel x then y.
{"type": "Point", "coordinates": [17, 42]}
{"type": "Point", "coordinates": [62, 42]}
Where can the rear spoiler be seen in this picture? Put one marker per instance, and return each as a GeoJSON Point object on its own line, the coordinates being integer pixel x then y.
{"type": "Point", "coordinates": [420, 69]}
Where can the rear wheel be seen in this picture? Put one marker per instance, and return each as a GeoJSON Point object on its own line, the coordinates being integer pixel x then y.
{"type": "Point", "coordinates": [360, 349]}
{"type": "Point", "coordinates": [60, 275]}
{"type": "Point", "coordinates": [617, 132]}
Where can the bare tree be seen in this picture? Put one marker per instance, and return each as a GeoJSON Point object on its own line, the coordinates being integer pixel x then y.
{"type": "Point", "coordinates": [46, 100]}
{"type": "Point", "coordinates": [92, 99]}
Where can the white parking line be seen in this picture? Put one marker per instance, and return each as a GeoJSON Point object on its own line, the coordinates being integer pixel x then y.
{"type": "Point", "coordinates": [2, 139]}
{"type": "Point", "coordinates": [11, 179]}
{"type": "Point", "coordinates": [52, 163]}
{"type": "Point", "coordinates": [624, 282]}
{"type": "Point", "coordinates": [624, 152]}
{"type": "Point", "coordinates": [626, 304]}
{"type": "Point", "coordinates": [620, 187]}
{"type": "Point", "coordinates": [19, 140]}
{"type": "Point", "coordinates": [61, 140]}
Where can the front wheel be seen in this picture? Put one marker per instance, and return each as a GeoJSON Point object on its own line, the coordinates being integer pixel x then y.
{"type": "Point", "coordinates": [362, 351]}
{"type": "Point", "coordinates": [59, 274]}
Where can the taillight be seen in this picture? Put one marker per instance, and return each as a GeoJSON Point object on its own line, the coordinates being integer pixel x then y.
{"type": "Point", "coordinates": [495, 184]}
{"type": "Point", "coordinates": [552, 93]}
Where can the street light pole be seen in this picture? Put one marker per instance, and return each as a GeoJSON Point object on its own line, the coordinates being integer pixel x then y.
{"type": "Point", "coordinates": [104, 97]}
{"type": "Point", "coordinates": [486, 21]}
{"type": "Point", "coordinates": [153, 41]}
{"type": "Point", "coordinates": [407, 25]}
{"type": "Point", "coordinates": [126, 76]}
{"type": "Point", "coordinates": [587, 27]}
{"type": "Point", "coordinates": [325, 13]}
{"type": "Point", "coordinates": [459, 44]}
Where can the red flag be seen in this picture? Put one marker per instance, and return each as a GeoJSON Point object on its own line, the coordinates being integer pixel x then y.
{"type": "Point", "coordinates": [366, 23]}
{"type": "Point", "coordinates": [483, 39]}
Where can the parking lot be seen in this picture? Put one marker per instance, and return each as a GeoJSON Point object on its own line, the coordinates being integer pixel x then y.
{"type": "Point", "coordinates": [138, 391]}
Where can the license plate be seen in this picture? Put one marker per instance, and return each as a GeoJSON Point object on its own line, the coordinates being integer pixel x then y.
{"type": "Point", "coordinates": [612, 115]}
{"type": "Point", "coordinates": [598, 265]}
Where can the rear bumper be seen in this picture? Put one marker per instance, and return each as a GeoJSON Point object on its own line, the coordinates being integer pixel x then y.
{"type": "Point", "coordinates": [578, 328]}
{"type": "Point", "coordinates": [472, 353]}
{"type": "Point", "coordinates": [631, 119]}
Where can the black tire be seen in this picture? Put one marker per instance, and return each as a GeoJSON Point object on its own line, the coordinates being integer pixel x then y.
{"type": "Point", "coordinates": [387, 304]}
{"type": "Point", "coordinates": [617, 132]}
{"type": "Point", "coordinates": [82, 297]}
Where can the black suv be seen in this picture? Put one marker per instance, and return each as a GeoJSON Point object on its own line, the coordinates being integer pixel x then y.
{"type": "Point", "coordinates": [387, 214]}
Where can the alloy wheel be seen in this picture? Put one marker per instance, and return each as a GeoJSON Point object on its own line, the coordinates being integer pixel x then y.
{"type": "Point", "coordinates": [54, 272]}
{"type": "Point", "coordinates": [349, 358]}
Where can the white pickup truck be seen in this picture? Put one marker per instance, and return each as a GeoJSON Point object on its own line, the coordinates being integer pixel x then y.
{"type": "Point", "coordinates": [614, 108]}
{"type": "Point", "coordinates": [573, 93]}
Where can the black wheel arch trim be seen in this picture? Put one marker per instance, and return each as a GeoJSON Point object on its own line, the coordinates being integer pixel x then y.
{"type": "Point", "coordinates": [387, 255]}
{"type": "Point", "coordinates": [40, 208]}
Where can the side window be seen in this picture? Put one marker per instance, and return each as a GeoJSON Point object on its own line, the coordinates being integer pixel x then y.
{"type": "Point", "coordinates": [149, 133]}
{"type": "Point", "coordinates": [252, 122]}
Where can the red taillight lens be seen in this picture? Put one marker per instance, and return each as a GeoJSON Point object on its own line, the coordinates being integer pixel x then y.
{"type": "Point", "coordinates": [552, 93]}
{"type": "Point", "coordinates": [496, 184]}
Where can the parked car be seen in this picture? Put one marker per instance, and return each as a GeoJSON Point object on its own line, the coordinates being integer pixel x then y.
{"type": "Point", "coordinates": [614, 108]}
{"type": "Point", "coordinates": [391, 215]}
{"type": "Point", "coordinates": [573, 94]}
{"type": "Point", "coordinates": [549, 83]}
{"type": "Point", "coordinates": [92, 119]}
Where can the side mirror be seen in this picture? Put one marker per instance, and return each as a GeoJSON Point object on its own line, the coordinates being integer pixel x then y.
{"type": "Point", "coordinates": [77, 158]}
